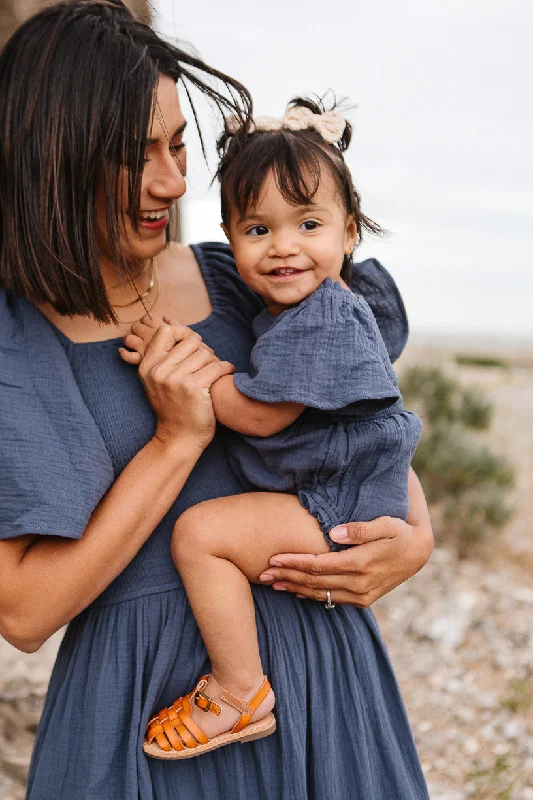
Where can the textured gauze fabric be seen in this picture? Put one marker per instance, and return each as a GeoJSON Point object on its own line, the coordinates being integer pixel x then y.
{"type": "Point", "coordinates": [342, 729]}
{"type": "Point", "coordinates": [348, 455]}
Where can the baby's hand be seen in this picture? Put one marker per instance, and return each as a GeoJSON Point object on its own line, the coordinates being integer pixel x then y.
{"type": "Point", "coordinates": [142, 333]}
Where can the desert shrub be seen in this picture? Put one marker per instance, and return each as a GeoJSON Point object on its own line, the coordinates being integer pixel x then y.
{"type": "Point", "coordinates": [495, 782]}
{"type": "Point", "coordinates": [461, 476]}
{"type": "Point", "coordinates": [441, 399]}
{"type": "Point", "coordinates": [465, 360]}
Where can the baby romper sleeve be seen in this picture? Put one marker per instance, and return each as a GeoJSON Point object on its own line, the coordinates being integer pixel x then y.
{"type": "Point", "coordinates": [54, 466]}
{"type": "Point", "coordinates": [326, 353]}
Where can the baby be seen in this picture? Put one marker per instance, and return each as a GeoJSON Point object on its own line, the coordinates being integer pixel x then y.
{"type": "Point", "coordinates": [326, 438]}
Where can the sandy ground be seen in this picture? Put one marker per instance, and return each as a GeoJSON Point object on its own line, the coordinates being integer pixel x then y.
{"type": "Point", "coordinates": [460, 634]}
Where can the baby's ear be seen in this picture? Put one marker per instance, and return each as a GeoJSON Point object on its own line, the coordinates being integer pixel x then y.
{"type": "Point", "coordinates": [351, 235]}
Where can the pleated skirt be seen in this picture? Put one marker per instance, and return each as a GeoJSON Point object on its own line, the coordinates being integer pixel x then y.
{"type": "Point", "coordinates": [342, 728]}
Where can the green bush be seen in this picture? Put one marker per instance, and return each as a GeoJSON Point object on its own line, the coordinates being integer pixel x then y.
{"type": "Point", "coordinates": [442, 399]}
{"type": "Point", "coordinates": [480, 361]}
{"type": "Point", "coordinates": [463, 477]}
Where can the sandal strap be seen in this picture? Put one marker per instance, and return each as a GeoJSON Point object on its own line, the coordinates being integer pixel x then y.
{"type": "Point", "coordinates": [235, 702]}
{"type": "Point", "coordinates": [169, 726]}
{"type": "Point", "coordinates": [202, 700]}
{"type": "Point", "coordinates": [161, 728]}
{"type": "Point", "coordinates": [174, 729]}
{"type": "Point", "coordinates": [187, 720]}
{"type": "Point", "coordinates": [251, 707]}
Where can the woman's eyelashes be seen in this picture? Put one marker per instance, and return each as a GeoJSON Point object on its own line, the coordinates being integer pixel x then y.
{"type": "Point", "coordinates": [174, 147]}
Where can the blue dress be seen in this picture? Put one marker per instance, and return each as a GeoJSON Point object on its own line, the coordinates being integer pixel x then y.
{"type": "Point", "coordinates": [82, 416]}
{"type": "Point", "coordinates": [348, 455]}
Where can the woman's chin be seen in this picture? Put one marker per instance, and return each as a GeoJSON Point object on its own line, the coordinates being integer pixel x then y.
{"type": "Point", "coordinates": [149, 249]}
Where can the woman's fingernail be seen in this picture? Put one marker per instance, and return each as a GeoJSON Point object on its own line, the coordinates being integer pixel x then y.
{"type": "Point", "coordinates": [339, 534]}
{"type": "Point", "coordinates": [279, 588]}
{"type": "Point", "coordinates": [265, 577]}
{"type": "Point", "coordinates": [274, 563]}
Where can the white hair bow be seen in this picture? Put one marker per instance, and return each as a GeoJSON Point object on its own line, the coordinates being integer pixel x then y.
{"type": "Point", "coordinates": [330, 125]}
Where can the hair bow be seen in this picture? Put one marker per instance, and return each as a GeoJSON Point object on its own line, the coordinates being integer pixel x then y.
{"type": "Point", "coordinates": [330, 125]}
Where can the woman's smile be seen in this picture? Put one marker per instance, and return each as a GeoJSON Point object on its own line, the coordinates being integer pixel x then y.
{"type": "Point", "coordinates": [154, 220]}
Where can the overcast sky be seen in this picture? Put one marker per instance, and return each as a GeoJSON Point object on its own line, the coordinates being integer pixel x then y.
{"type": "Point", "coordinates": [442, 151]}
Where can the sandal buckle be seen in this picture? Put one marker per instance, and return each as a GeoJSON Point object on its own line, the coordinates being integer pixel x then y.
{"type": "Point", "coordinates": [207, 700]}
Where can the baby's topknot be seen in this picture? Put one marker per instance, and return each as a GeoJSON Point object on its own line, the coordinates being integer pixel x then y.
{"type": "Point", "coordinates": [318, 106]}
{"type": "Point", "coordinates": [327, 122]}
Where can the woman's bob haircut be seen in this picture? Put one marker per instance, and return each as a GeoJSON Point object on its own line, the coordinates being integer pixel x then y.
{"type": "Point", "coordinates": [77, 93]}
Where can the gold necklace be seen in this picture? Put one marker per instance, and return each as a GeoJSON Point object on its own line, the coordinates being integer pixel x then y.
{"type": "Point", "coordinates": [140, 297]}
{"type": "Point", "coordinates": [130, 280]}
{"type": "Point", "coordinates": [146, 307]}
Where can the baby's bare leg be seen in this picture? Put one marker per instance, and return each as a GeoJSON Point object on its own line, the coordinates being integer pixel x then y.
{"type": "Point", "coordinates": [219, 547]}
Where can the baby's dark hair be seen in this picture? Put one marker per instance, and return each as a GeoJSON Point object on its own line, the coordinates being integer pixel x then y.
{"type": "Point", "coordinates": [296, 158]}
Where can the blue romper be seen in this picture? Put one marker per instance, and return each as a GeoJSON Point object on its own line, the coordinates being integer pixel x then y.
{"type": "Point", "coordinates": [347, 456]}
{"type": "Point", "coordinates": [71, 417]}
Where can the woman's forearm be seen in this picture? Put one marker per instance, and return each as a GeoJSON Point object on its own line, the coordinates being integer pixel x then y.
{"type": "Point", "coordinates": [419, 518]}
{"type": "Point", "coordinates": [46, 581]}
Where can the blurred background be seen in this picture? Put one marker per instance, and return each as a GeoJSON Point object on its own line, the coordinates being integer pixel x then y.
{"type": "Point", "coordinates": [441, 152]}
{"type": "Point", "coordinates": [438, 94]}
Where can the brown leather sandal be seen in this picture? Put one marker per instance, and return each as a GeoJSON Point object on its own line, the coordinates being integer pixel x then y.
{"type": "Point", "coordinates": [173, 734]}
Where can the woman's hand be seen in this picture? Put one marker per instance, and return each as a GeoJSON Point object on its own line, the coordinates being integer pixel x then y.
{"type": "Point", "coordinates": [177, 370]}
{"type": "Point", "coordinates": [388, 552]}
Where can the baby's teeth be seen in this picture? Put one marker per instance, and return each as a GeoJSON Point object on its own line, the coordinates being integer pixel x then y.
{"type": "Point", "coordinates": [284, 271]}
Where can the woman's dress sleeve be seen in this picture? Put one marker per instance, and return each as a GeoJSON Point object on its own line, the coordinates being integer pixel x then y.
{"type": "Point", "coordinates": [227, 290]}
{"type": "Point", "coordinates": [376, 285]}
{"type": "Point", "coordinates": [54, 466]}
{"type": "Point", "coordinates": [326, 353]}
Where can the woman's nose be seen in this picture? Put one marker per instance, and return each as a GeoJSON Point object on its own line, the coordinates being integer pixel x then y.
{"type": "Point", "coordinates": [283, 244]}
{"type": "Point", "coordinates": [169, 183]}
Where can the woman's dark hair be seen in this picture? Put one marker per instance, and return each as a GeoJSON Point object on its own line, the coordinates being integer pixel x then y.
{"type": "Point", "coordinates": [77, 93]}
{"type": "Point", "coordinates": [295, 158]}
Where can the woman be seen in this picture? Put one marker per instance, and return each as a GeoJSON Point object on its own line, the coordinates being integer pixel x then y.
{"type": "Point", "coordinates": [97, 464]}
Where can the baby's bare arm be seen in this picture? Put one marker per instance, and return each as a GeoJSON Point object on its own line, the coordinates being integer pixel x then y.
{"type": "Point", "coordinates": [247, 416]}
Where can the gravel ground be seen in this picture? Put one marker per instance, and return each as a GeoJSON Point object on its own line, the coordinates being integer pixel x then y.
{"type": "Point", "coordinates": [460, 633]}
{"type": "Point", "coordinates": [460, 636]}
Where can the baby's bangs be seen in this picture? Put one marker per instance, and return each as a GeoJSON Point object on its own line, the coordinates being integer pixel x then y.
{"type": "Point", "coordinates": [297, 171]}
{"type": "Point", "coordinates": [294, 161]}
